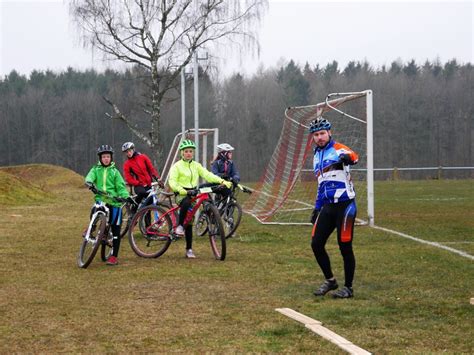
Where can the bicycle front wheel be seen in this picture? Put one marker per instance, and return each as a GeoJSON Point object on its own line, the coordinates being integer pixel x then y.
{"type": "Point", "coordinates": [216, 232]}
{"type": "Point", "coordinates": [231, 217]}
{"type": "Point", "coordinates": [126, 219]}
{"type": "Point", "coordinates": [149, 234]}
{"type": "Point", "coordinates": [90, 244]}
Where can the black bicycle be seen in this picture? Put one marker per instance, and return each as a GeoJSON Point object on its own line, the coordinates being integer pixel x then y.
{"type": "Point", "coordinates": [98, 233]}
{"type": "Point", "coordinates": [229, 210]}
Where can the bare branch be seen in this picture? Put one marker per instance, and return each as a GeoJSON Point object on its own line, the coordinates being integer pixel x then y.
{"type": "Point", "coordinates": [120, 116]}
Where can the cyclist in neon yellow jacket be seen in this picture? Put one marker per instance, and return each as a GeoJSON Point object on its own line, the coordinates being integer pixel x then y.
{"type": "Point", "coordinates": [106, 177]}
{"type": "Point", "coordinates": [183, 179]}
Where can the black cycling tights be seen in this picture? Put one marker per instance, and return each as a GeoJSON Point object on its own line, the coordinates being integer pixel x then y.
{"type": "Point", "coordinates": [341, 216]}
{"type": "Point", "coordinates": [185, 205]}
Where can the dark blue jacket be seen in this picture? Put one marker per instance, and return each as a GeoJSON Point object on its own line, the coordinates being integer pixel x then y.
{"type": "Point", "coordinates": [225, 169]}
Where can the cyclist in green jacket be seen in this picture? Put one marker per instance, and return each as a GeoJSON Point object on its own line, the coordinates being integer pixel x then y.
{"type": "Point", "coordinates": [183, 179]}
{"type": "Point", "coordinates": [106, 178]}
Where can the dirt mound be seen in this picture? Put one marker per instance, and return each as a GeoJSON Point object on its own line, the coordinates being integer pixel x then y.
{"type": "Point", "coordinates": [46, 177]}
{"type": "Point", "coordinates": [15, 191]}
{"type": "Point", "coordinates": [35, 183]}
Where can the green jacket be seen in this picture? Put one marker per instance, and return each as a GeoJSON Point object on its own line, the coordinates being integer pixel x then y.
{"type": "Point", "coordinates": [109, 180]}
{"type": "Point", "coordinates": [185, 174]}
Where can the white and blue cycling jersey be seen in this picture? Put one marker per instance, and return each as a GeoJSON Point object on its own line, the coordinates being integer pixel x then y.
{"type": "Point", "coordinates": [334, 178]}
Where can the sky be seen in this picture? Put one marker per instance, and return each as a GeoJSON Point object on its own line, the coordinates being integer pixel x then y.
{"type": "Point", "coordinates": [38, 34]}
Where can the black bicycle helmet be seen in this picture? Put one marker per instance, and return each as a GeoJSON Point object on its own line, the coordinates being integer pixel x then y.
{"type": "Point", "coordinates": [105, 148]}
{"type": "Point", "coordinates": [319, 125]}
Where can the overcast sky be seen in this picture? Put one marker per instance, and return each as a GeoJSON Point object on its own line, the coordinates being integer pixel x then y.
{"type": "Point", "coordinates": [38, 34]}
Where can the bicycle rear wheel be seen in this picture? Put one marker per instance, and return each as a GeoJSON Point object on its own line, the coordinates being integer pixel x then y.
{"type": "Point", "coordinates": [149, 234]}
{"type": "Point", "coordinates": [91, 244]}
{"type": "Point", "coordinates": [216, 232]}
{"type": "Point", "coordinates": [231, 217]}
{"type": "Point", "coordinates": [106, 248]}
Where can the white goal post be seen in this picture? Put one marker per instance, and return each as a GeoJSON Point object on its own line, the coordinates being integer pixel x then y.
{"type": "Point", "coordinates": [287, 190]}
{"type": "Point", "coordinates": [208, 141]}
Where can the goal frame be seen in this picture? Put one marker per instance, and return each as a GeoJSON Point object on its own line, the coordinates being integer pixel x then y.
{"type": "Point", "coordinates": [332, 102]}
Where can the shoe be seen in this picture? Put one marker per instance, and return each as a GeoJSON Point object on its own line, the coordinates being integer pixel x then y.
{"type": "Point", "coordinates": [326, 286]}
{"type": "Point", "coordinates": [179, 231]}
{"type": "Point", "coordinates": [112, 260]}
{"type": "Point", "coordinates": [345, 292]}
{"type": "Point", "coordinates": [190, 254]}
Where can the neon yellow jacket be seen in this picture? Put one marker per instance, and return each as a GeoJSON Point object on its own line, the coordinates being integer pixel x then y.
{"type": "Point", "coordinates": [185, 174]}
{"type": "Point", "coordinates": [109, 180]}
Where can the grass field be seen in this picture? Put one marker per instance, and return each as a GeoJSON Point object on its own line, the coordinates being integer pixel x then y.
{"type": "Point", "coordinates": [409, 297]}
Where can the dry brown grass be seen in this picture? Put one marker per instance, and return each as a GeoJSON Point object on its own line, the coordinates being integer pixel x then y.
{"type": "Point", "coordinates": [410, 298]}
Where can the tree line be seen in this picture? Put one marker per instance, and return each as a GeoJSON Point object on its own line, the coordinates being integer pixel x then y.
{"type": "Point", "coordinates": [423, 114]}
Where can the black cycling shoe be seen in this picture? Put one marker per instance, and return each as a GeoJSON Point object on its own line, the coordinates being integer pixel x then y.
{"type": "Point", "coordinates": [345, 292]}
{"type": "Point", "coordinates": [327, 286]}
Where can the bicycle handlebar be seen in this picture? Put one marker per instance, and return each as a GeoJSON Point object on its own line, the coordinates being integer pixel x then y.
{"type": "Point", "coordinates": [205, 189]}
{"type": "Point", "coordinates": [244, 189]}
{"type": "Point", "coordinates": [95, 190]}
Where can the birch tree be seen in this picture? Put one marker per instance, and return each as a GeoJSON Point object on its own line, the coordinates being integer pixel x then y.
{"type": "Point", "coordinates": [161, 37]}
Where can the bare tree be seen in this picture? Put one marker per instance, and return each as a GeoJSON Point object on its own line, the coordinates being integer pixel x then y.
{"type": "Point", "coordinates": [161, 36]}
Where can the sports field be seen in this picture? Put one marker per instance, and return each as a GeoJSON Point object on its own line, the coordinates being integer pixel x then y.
{"type": "Point", "coordinates": [410, 297]}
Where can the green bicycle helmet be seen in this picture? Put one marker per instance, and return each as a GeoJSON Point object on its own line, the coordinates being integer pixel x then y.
{"type": "Point", "coordinates": [187, 143]}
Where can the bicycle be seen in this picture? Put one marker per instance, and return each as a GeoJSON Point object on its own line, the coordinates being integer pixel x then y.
{"type": "Point", "coordinates": [153, 239]}
{"type": "Point", "coordinates": [152, 198]}
{"type": "Point", "coordinates": [229, 210]}
{"type": "Point", "coordinates": [98, 233]}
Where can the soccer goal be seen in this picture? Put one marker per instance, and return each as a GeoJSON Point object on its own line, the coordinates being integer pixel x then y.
{"type": "Point", "coordinates": [208, 140]}
{"type": "Point", "coordinates": [287, 190]}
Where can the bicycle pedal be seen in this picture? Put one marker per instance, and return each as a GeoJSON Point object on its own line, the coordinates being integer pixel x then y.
{"type": "Point", "coordinates": [175, 237]}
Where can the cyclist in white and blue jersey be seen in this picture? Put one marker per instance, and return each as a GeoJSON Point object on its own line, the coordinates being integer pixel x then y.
{"type": "Point", "coordinates": [335, 206]}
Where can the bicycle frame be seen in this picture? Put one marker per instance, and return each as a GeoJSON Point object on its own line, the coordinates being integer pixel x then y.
{"type": "Point", "coordinates": [201, 198]}
{"type": "Point", "coordinates": [94, 215]}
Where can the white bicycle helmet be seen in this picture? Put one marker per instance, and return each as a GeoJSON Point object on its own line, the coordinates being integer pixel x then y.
{"type": "Point", "coordinates": [224, 147]}
{"type": "Point", "coordinates": [127, 145]}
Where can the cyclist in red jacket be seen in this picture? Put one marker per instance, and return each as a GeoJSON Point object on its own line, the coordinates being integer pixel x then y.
{"type": "Point", "coordinates": [139, 171]}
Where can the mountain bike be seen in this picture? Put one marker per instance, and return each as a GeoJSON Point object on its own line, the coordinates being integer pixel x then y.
{"type": "Point", "coordinates": [152, 198]}
{"type": "Point", "coordinates": [98, 233]}
{"type": "Point", "coordinates": [151, 240]}
{"type": "Point", "coordinates": [229, 210]}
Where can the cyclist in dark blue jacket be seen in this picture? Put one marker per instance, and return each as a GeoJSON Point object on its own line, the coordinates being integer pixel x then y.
{"type": "Point", "coordinates": [223, 166]}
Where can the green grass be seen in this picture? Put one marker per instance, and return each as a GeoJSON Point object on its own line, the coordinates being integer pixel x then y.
{"type": "Point", "coordinates": [409, 297]}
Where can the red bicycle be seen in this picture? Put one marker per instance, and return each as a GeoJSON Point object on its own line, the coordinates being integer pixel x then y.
{"type": "Point", "coordinates": [153, 227]}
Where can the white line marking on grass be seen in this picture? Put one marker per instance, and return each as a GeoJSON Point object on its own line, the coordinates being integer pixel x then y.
{"type": "Point", "coordinates": [456, 242]}
{"type": "Point", "coordinates": [434, 244]}
{"type": "Point", "coordinates": [472, 300]}
{"type": "Point", "coordinates": [432, 199]}
{"type": "Point", "coordinates": [317, 327]}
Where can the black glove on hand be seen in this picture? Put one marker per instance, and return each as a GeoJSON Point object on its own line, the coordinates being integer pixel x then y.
{"type": "Point", "coordinates": [91, 187]}
{"type": "Point", "coordinates": [160, 183]}
{"type": "Point", "coordinates": [314, 215]}
{"type": "Point", "coordinates": [131, 201]}
{"type": "Point", "coordinates": [192, 193]}
{"type": "Point", "coordinates": [346, 159]}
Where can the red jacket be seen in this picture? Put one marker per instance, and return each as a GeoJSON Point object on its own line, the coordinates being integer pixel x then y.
{"type": "Point", "coordinates": [139, 170]}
